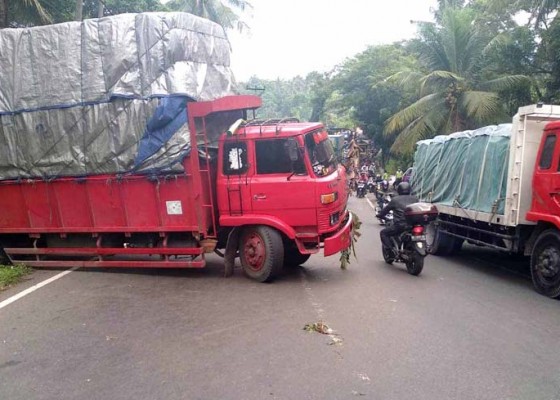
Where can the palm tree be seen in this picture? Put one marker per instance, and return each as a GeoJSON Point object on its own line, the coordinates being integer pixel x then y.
{"type": "Point", "coordinates": [539, 10]}
{"type": "Point", "coordinates": [28, 11]}
{"type": "Point", "coordinates": [456, 89]}
{"type": "Point", "coordinates": [214, 10]}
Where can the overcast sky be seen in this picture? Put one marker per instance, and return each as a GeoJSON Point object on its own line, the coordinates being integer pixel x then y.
{"type": "Point", "coordinates": [294, 37]}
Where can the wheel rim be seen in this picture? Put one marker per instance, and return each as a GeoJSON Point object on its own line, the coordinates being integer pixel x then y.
{"type": "Point", "coordinates": [255, 252]}
{"type": "Point", "coordinates": [548, 265]}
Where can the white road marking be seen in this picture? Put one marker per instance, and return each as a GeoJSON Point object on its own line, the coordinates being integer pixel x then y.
{"type": "Point", "coordinates": [370, 204]}
{"type": "Point", "coordinates": [27, 291]}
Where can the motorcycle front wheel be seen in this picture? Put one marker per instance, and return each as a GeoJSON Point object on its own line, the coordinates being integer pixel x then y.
{"type": "Point", "coordinates": [387, 254]}
{"type": "Point", "coordinates": [415, 263]}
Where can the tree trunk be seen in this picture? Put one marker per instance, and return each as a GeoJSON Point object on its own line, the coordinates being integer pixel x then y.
{"type": "Point", "coordinates": [3, 13]}
{"type": "Point", "coordinates": [79, 9]}
{"type": "Point", "coordinates": [100, 8]}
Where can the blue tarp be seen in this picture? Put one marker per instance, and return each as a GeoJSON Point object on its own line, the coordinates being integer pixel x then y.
{"type": "Point", "coordinates": [169, 116]}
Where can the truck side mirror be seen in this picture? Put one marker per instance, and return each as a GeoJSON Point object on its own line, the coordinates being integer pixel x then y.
{"type": "Point", "coordinates": [293, 151]}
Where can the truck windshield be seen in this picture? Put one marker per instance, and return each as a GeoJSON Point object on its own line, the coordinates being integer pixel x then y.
{"type": "Point", "coordinates": [321, 153]}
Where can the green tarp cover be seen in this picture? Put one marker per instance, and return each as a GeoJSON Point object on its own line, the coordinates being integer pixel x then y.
{"type": "Point", "coordinates": [465, 169]}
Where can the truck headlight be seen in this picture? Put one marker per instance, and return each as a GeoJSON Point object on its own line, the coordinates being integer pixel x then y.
{"type": "Point", "coordinates": [334, 218]}
{"type": "Point", "coordinates": [329, 198]}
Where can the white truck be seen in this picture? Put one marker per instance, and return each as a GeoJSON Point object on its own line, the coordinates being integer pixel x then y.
{"type": "Point", "coordinates": [498, 186]}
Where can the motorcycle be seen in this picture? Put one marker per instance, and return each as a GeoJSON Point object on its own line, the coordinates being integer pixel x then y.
{"type": "Point", "coordinates": [370, 186]}
{"type": "Point", "coordinates": [361, 189]}
{"type": "Point", "coordinates": [410, 247]}
{"type": "Point", "coordinates": [383, 199]}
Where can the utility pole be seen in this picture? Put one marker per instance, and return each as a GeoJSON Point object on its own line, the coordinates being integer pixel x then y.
{"type": "Point", "coordinates": [79, 9]}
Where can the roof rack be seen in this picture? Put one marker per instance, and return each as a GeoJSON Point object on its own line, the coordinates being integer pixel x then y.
{"type": "Point", "coordinates": [270, 122]}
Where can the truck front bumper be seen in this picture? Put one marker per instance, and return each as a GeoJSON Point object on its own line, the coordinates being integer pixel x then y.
{"type": "Point", "coordinates": [341, 239]}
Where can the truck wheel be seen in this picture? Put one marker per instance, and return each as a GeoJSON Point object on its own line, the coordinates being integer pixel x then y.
{"type": "Point", "coordinates": [292, 256]}
{"type": "Point", "coordinates": [545, 264]}
{"type": "Point", "coordinates": [295, 258]}
{"type": "Point", "coordinates": [4, 259]}
{"type": "Point", "coordinates": [438, 242]}
{"type": "Point", "coordinates": [261, 252]}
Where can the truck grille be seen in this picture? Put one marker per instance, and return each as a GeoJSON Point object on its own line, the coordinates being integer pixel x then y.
{"type": "Point", "coordinates": [325, 214]}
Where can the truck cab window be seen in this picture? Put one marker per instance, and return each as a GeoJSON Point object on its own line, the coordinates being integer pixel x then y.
{"type": "Point", "coordinates": [547, 152]}
{"type": "Point", "coordinates": [321, 153]}
{"type": "Point", "coordinates": [235, 158]}
{"type": "Point", "coordinates": [273, 158]}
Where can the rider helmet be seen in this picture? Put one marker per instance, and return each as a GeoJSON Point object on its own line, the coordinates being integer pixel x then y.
{"type": "Point", "coordinates": [385, 185]}
{"type": "Point", "coordinates": [403, 188]}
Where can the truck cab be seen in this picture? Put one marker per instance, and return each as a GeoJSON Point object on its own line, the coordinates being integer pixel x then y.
{"type": "Point", "coordinates": [281, 194]}
{"type": "Point", "coordinates": [545, 204]}
{"type": "Point", "coordinates": [283, 176]}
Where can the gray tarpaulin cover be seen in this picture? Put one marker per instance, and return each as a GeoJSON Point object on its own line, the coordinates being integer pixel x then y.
{"type": "Point", "coordinates": [105, 95]}
{"type": "Point", "coordinates": [465, 169]}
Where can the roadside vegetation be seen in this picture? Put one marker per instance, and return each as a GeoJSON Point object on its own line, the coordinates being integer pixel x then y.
{"type": "Point", "coordinates": [12, 274]}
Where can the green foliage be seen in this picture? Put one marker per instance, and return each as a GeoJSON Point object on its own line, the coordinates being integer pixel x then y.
{"type": "Point", "coordinates": [360, 93]}
{"type": "Point", "coordinates": [24, 13]}
{"type": "Point", "coordinates": [354, 236]}
{"type": "Point", "coordinates": [551, 62]}
{"type": "Point", "coordinates": [282, 98]}
{"type": "Point", "coordinates": [458, 90]}
{"type": "Point", "coordinates": [41, 12]}
{"type": "Point", "coordinates": [221, 12]}
{"type": "Point", "coordinates": [114, 7]}
{"type": "Point", "coordinates": [12, 274]}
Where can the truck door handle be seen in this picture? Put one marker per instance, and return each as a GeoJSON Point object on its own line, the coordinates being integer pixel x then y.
{"type": "Point", "coordinates": [260, 196]}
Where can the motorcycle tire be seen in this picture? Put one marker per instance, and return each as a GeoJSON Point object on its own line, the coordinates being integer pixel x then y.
{"type": "Point", "coordinates": [387, 254]}
{"type": "Point", "coordinates": [415, 263]}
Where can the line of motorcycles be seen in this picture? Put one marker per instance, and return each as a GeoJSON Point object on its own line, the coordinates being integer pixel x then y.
{"type": "Point", "coordinates": [370, 185]}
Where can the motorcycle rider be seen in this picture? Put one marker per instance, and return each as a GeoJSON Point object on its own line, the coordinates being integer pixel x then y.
{"type": "Point", "coordinates": [381, 192]}
{"type": "Point", "coordinates": [397, 205]}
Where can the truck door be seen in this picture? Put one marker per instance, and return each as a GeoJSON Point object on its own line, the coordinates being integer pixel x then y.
{"type": "Point", "coordinates": [281, 187]}
{"type": "Point", "coordinates": [235, 185]}
{"type": "Point", "coordinates": [546, 180]}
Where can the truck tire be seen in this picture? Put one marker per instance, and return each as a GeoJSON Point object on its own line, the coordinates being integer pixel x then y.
{"type": "Point", "coordinates": [439, 243]}
{"type": "Point", "coordinates": [545, 264]}
{"type": "Point", "coordinates": [294, 258]}
{"type": "Point", "coordinates": [261, 252]}
{"type": "Point", "coordinates": [4, 259]}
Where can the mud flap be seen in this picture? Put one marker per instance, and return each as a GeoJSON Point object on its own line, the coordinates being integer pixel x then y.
{"type": "Point", "coordinates": [231, 252]}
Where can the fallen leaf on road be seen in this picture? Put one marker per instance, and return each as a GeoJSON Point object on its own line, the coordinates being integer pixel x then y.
{"type": "Point", "coordinates": [318, 327]}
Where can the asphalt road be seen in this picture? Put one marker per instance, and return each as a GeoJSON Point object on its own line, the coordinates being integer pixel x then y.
{"type": "Point", "coordinates": [470, 327]}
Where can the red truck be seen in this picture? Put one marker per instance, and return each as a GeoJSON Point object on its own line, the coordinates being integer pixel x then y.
{"type": "Point", "coordinates": [271, 193]}
{"type": "Point", "coordinates": [499, 187]}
